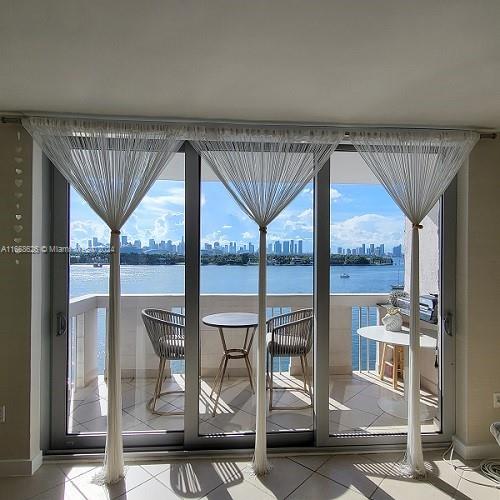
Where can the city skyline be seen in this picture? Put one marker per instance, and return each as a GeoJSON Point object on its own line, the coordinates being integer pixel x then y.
{"type": "Point", "coordinates": [278, 248]}
{"type": "Point", "coordinates": [359, 214]}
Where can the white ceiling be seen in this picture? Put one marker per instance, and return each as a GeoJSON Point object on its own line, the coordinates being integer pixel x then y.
{"type": "Point", "coordinates": [425, 62]}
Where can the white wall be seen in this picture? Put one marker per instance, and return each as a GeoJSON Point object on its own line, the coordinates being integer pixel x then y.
{"type": "Point", "coordinates": [478, 299]}
{"type": "Point", "coordinates": [19, 368]}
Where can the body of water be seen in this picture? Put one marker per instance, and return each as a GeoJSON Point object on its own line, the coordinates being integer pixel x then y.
{"type": "Point", "coordinates": [86, 279]}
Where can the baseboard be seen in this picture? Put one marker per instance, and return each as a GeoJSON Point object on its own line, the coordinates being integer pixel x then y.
{"type": "Point", "coordinates": [21, 467]}
{"type": "Point", "coordinates": [476, 451]}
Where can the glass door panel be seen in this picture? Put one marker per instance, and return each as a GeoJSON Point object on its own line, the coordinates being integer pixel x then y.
{"type": "Point", "coordinates": [229, 285]}
{"type": "Point", "coordinates": [369, 273]}
{"type": "Point", "coordinates": [152, 286]}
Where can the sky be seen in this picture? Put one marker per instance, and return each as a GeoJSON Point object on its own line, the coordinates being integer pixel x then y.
{"type": "Point", "coordinates": [359, 214]}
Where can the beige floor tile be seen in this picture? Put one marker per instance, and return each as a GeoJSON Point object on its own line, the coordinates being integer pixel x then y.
{"type": "Point", "coordinates": [149, 490]}
{"type": "Point", "coordinates": [64, 491]}
{"type": "Point", "coordinates": [19, 488]}
{"type": "Point", "coordinates": [312, 462]}
{"type": "Point", "coordinates": [468, 488]}
{"type": "Point", "coordinates": [366, 403]}
{"type": "Point", "coordinates": [134, 476]}
{"type": "Point", "coordinates": [155, 468]}
{"type": "Point", "coordinates": [90, 411]}
{"type": "Point", "coordinates": [320, 487]}
{"type": "Point", "coordinates": [197, 478]}
{"type": "Point", "coordinates": [243, 490]}
{"type": "Point", "coordinates": [237, 422]}
{"type": "Point", "coordinates": [343, 390]}
{"type": "Point", "coordinates": [292, 419]}
{"type": "Point", "coordinates": [273, 483]}
{"type": "Point", "coordinates": [73, 469]}
{"type": "Point", "coordinates": [99, 424]}
{"type": "Point", "coordinates": [352, 418]}
{"type": "Point", "coordinates": [356, 472]}
{"type": "Point", "coordinates": [167, 423]}
{"type": "Point", "coordinates": [411, 489]}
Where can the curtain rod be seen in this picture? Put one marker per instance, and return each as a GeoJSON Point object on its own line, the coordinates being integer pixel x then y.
{"type": "Point", "coordinates": [18, 118]}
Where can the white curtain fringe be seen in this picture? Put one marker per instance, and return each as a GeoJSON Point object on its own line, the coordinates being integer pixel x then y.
{"type": "Point", "coordinates": [415, 167]}
{"type": "Point", "coordinates": [112, 165]}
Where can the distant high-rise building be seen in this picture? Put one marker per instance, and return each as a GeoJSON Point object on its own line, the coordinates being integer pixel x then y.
{"type": "Point", "coordinates": [124, 240]}
{"type": "Point", "coordinates": [363, 249]}
{"type": "Point", "coordinates": [382, 249]}
{"type": "Point", "coordinates": [269, 248]}
{"type": "Point", "coordinates": [277, 247]}
{"type": "Point", "coordinates": [137, 244]}
{"type": "Point", "coordinates": [181, 247]}
{"type": "Point", "coordinates": [348, 251]}
{"type": "Point", "coordinates": [152, 243]}
{"type": "Point", "coordinates": [95, 242]}
{"type": "Point", "coordinates": [300, 247]}
{"type": "Point", "coordinates": [293, 250]}
{"type": "Point", "coordinates": [251, 248]}
{"type": "Point", "coordinates": [377, 251]}
{"type": "Point", "coordinates": [90, 243]}
{"type": "Point", "coordinates": [396, 251]}
{"type": "Point", "coordinates": [339, 250]}
{"type": "Point", "coordinates": [372, 249]}
{"type": "Point", "coordinates": [208, 247]}
{"type": "Point", "coordinates": [286, 247]}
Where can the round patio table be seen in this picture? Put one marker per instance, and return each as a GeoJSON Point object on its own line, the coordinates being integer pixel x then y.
{"type": "Point", "coordinates": [395, 405]}
{"type": "Point", "coordinates": [221, 321]}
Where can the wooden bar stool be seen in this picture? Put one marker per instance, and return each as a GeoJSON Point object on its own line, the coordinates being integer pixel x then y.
{"type": "Point", "coordinates": [396, 364]}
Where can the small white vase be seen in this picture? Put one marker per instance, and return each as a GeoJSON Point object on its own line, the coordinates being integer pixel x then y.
{"type": "Point", "coordinates": [393, 322]}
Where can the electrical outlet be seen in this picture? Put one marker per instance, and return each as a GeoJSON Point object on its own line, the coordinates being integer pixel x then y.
{"type": "Point", "coordinates": [2, 414]}
{"type": "Point", "coordinates": [496, 400]}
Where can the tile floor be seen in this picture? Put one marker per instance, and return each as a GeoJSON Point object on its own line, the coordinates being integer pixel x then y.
{"type": "Point", "coordinates": [310, 477]}
{"type": "Point", "coordinates": [353, 406]}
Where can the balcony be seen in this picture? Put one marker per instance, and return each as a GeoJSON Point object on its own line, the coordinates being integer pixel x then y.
{"type": "Point", "coordinates": [355, 385]}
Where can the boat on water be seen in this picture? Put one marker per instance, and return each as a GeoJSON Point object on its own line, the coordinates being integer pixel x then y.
{"type": "Point", "coordinates": [398, 287]}
{"type": "Point", "coordinates": [97, 264]}
{"type": "Point", "coordinates": [344, 275]}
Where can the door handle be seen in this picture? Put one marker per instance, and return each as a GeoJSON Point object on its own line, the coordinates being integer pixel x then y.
{"type": "Point", "coordinates": [448, 324]}
{"type": "Point", "coordinates": [62, 324]}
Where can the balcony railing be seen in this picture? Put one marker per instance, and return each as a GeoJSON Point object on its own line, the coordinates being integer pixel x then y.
{"type": "Point", "coordinates": [87, 331]}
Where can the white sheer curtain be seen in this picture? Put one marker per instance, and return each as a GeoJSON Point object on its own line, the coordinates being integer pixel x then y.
{"type": "Point", "coordinates": [264, 169]}
{"type": "Point", "coordinates": [416, 167]}
{"type": "Point", "coordinates": [112, 165]}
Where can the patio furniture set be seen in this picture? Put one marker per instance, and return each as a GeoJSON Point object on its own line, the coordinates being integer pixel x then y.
{"type": "Point", "coordinates": [288, 335]}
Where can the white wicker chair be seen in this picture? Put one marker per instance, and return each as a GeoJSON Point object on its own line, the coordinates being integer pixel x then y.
{"type": "Point", "coordinates": [290, 335]}
{"type": "Point", "coordinates": [166, 332]}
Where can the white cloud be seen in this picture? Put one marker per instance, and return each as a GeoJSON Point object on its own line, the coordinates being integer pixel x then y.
{"type": "Point", "coordinates": [335, 194]}
{"type": "Point", "coordinates": [247, 235]}
{"type": "Point", "coordinates": [217, 235]}
{"type": "Point", "coordinates": [83, 230]}
{"type": "Point", "coordinates": [226, 227]}
{"type": "Point", "coordinates": [368, 228]}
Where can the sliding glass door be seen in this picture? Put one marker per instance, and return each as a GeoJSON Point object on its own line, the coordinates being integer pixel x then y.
{"type": "Point", "coordinates": [188, 250]}
{"type": "Point", "coordinates": [368, 269]}
{"type": "Point", "coordinates": [152, 315]}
